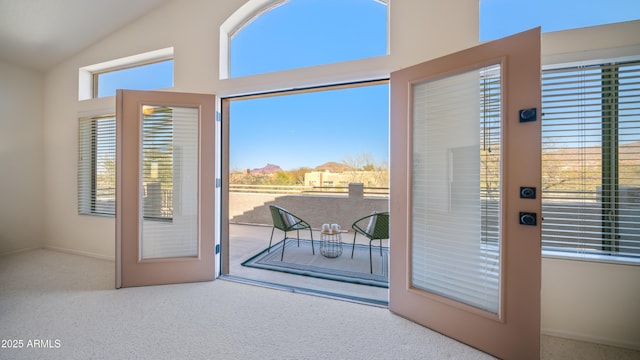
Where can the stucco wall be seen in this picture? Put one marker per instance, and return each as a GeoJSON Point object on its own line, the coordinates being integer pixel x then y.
{"type": "Point", "coordinates": [591, 301]}
{"type": "Point", "coordinates": [21, 159]}
{"type": "Point", "coordinates": [316, 210]}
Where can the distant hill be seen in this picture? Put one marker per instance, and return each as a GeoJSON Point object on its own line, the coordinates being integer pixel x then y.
{"type": "Point", "coordinates": [273, 168]}
{"type": "Point", "coordinates": [267, 169]}
{"type": "Point", "coordinates": [591, 156]}
{"type": "Point", "coordinates": [333, 167]}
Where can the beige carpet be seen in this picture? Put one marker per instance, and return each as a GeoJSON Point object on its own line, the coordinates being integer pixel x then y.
{"type": "Point", "coordinates": [50, 295]}
{"type": "Point", "coordinates": [68, 304]}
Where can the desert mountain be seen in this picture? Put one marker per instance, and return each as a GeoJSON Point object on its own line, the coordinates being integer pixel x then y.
{"type": "Point", "coordinates": [267, 169]}
{"type": "Point", "coordinates": [333, 167]}
{"type": "Point", "coordinates": [330, 166]}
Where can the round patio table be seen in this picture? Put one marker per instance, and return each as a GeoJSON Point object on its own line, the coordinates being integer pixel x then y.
{"type": "Point", "coordinates": [331, 244]}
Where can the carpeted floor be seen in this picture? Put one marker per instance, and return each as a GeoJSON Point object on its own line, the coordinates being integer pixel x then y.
{"type": "Point", "coordinates": [70, 301]}
{"type": "Point", "coordinates": [299, 259]}
{"type": "Point", "coordinates": [67, 306]}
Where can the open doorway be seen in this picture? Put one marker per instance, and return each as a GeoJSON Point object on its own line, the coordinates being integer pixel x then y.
{"type": "Point", "coordinates": [321, 154]}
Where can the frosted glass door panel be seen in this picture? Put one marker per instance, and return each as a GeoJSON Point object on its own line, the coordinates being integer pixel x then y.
{"type": "Point", "coordinates": [169, 173]}
{"type": "Point", "coordinates": [455, 246]}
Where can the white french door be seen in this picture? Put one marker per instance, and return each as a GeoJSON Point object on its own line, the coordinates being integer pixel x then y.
{"type": "Point", "coordinates": [164, 188]}
{"type": "Point", "coordinates": [465, 245]}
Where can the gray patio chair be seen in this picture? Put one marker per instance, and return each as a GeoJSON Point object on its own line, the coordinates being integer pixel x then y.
{"type": "Point", "coordinates": [286, 221]}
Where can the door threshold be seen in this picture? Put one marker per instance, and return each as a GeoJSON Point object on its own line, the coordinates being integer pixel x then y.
{"type": "Point", "coordinates": [301, 290]}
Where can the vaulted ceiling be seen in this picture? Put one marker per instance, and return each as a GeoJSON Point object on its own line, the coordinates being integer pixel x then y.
{"type": "Point", "coordinates": [39, 34]}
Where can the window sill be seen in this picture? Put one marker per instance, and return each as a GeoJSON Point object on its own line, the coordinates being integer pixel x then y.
{"type": "Point", "coordinates": [98, 215]}
{"type": "Point", "coordinates": [591, 257]}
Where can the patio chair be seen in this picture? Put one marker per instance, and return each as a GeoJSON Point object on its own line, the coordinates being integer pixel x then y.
{"type": "Point", "coordinates": [373, 227]}
{"type": "Point", "coordinates": [286, 221]}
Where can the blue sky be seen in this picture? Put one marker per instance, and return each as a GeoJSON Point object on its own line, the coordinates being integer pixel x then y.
{"type": "Point", "coordinates": [310, 32]}
{"type": "Point", "coordinates": [311, 129]}
{"type": "Point", "coordinates": [307, 130]}
{"type": "Point", "coordinates": [499, 18]}
{"type": "Point", "coordinates": [148, 77]}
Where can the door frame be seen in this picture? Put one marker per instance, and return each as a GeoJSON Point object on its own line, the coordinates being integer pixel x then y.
{"type": "Point", "coordinates": [224, 148]}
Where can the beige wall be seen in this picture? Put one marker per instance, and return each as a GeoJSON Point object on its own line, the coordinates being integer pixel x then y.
{"type": "Point", "coordinates": [21, 159]}
{"type": "Point", "coordinates": [315, 209]}
{"type": "Point", "coordinates": [419, 30]}
{"type": "Point", "coordinates": [589, 300]}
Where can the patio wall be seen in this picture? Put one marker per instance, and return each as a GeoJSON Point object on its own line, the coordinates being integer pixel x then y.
{"type": "Point", "coordinates": [253, 208]}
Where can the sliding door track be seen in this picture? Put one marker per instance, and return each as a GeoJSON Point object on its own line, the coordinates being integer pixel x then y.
{"type": "Point", "coordinates": [301, 290]}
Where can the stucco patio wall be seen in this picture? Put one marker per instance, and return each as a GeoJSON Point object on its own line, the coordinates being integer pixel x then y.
{"type": "Point", "coordinates": [315, 209]}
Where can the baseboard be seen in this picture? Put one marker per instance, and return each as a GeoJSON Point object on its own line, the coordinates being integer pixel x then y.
{"type": "Point", "coordinates": [81, 253]}
{"type": "Point", "coordinates": [591, 339]}
{"type": "Point", "coordinates": [12, 252]}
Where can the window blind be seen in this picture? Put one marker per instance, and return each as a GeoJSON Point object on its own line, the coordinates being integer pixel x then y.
{"type": "Point", "coordinates": [455, 241]}
{"type": "Point", "coordinates": [169, 174]}
{"type": "Point", "coordinates": [96, 165]}
{"type": "Point", "coordinates": [591, 161]}
{"type": "Point", "coordinates": [157, 171]}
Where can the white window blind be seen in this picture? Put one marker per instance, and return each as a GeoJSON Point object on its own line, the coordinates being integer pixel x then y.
{"type": "Point", "coordinates": [455, 244]}
{"type": "Point", "coordinates": [96, 165]}
{"type": "Point", "coordinates": [169, 174]}
{"type": "Point", "coordinates": [158, 172]}
{"type": "Point", "coordinates": [591, 161]}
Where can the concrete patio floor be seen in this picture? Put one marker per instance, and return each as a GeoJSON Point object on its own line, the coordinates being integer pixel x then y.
{"type": "Point", "coordinates": [246, 241]}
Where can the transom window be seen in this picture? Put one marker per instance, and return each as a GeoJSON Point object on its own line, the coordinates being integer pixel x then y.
{"type": "Point", "coordinates": [147, 71]}
{"type": "Point", "coordinates": [278, 38]}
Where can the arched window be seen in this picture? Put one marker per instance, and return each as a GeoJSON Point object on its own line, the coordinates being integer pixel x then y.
{"type": "Point", "coordinates": [283, 35]}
